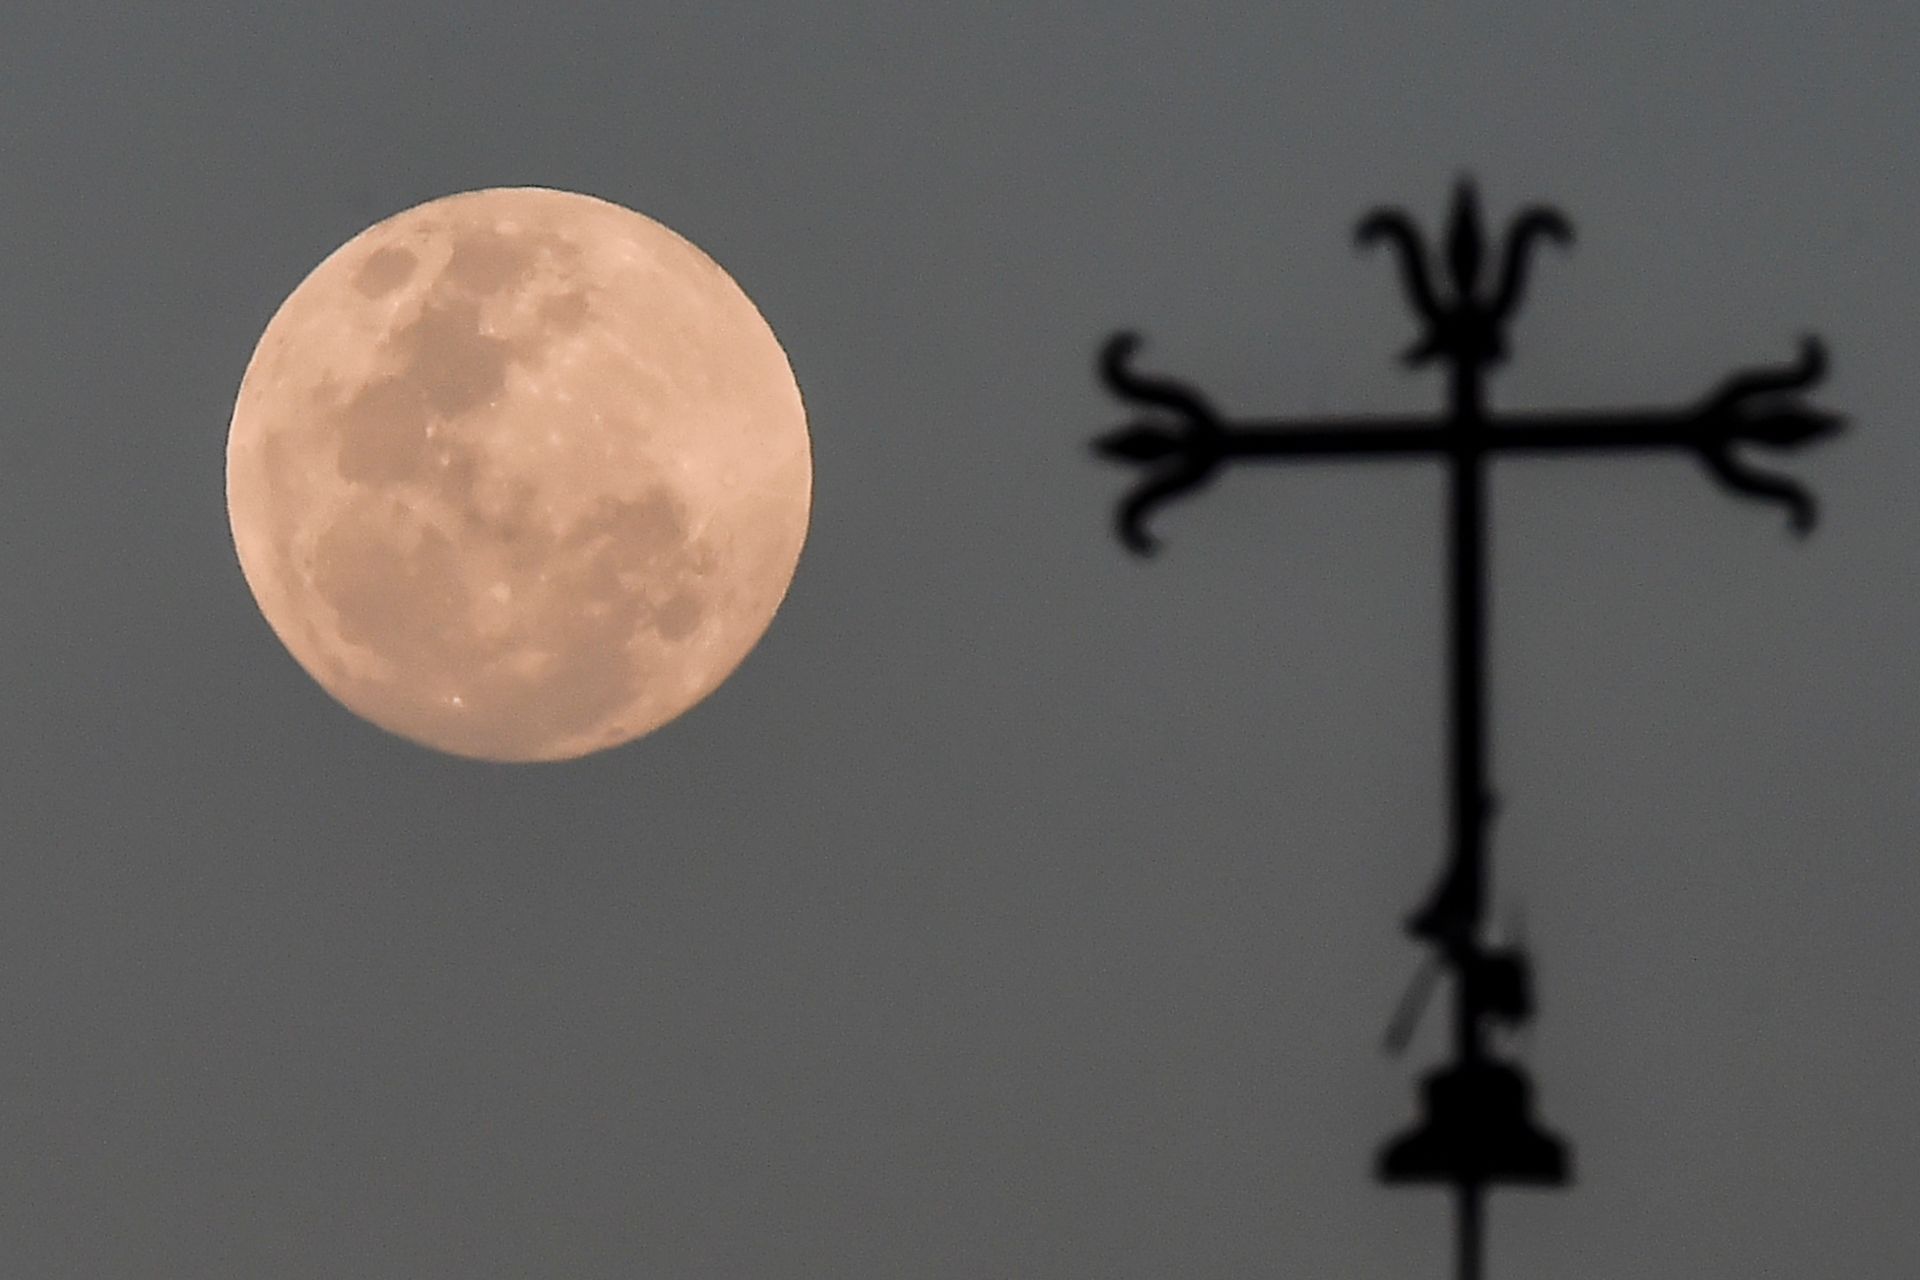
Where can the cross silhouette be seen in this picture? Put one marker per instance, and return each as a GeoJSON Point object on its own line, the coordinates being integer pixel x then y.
{"type": "Point", "coordinates": [1477, 1130]}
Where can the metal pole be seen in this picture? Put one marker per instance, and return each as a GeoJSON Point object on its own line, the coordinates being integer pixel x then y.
{"type": "Point", "coordinates": [1472, 1206]}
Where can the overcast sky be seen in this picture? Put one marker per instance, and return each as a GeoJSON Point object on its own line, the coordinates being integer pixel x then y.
{"type": "Point", "coordinates": [1018, 909]}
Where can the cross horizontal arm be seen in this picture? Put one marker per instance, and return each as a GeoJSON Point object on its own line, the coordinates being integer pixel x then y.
{"type": "Point", "coordinates": [1185, 441]}
{"type": "Point", "coordinates": [1649, 430]}
{"type": "Point", "coordinates": [1623, 431]}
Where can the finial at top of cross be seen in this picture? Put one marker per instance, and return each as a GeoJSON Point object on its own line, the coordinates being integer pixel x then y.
{"type": "Point", "coordinates": [1467, 325]}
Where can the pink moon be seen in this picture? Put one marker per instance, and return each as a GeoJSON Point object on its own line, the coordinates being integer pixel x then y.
{"type": "Point", "coordinates": [518, 474]}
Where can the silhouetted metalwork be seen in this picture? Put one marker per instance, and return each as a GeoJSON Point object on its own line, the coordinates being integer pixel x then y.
{"type": "Point", "coordinates": [1476, 1129]}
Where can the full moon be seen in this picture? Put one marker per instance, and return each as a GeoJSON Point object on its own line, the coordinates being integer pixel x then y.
{"type": "Point", "coordinates": [518, 474]}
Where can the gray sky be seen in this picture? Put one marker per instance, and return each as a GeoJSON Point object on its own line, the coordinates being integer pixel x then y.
{"type": "Point", "coordinates": [1017, 909]}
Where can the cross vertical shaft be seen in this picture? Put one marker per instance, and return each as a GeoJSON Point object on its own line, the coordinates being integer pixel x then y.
{"type": "Point", "coordinates": [1467, 661]}
{"type": "Point", "coordinates": [1471, 799]}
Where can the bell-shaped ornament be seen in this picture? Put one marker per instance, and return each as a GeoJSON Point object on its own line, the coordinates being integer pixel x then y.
{"type": "Point", "coordinates": [1477, 1130]}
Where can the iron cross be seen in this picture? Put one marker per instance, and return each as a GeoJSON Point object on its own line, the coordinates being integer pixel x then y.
{"type": "Point", "coordinates": [1477, 1130]}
